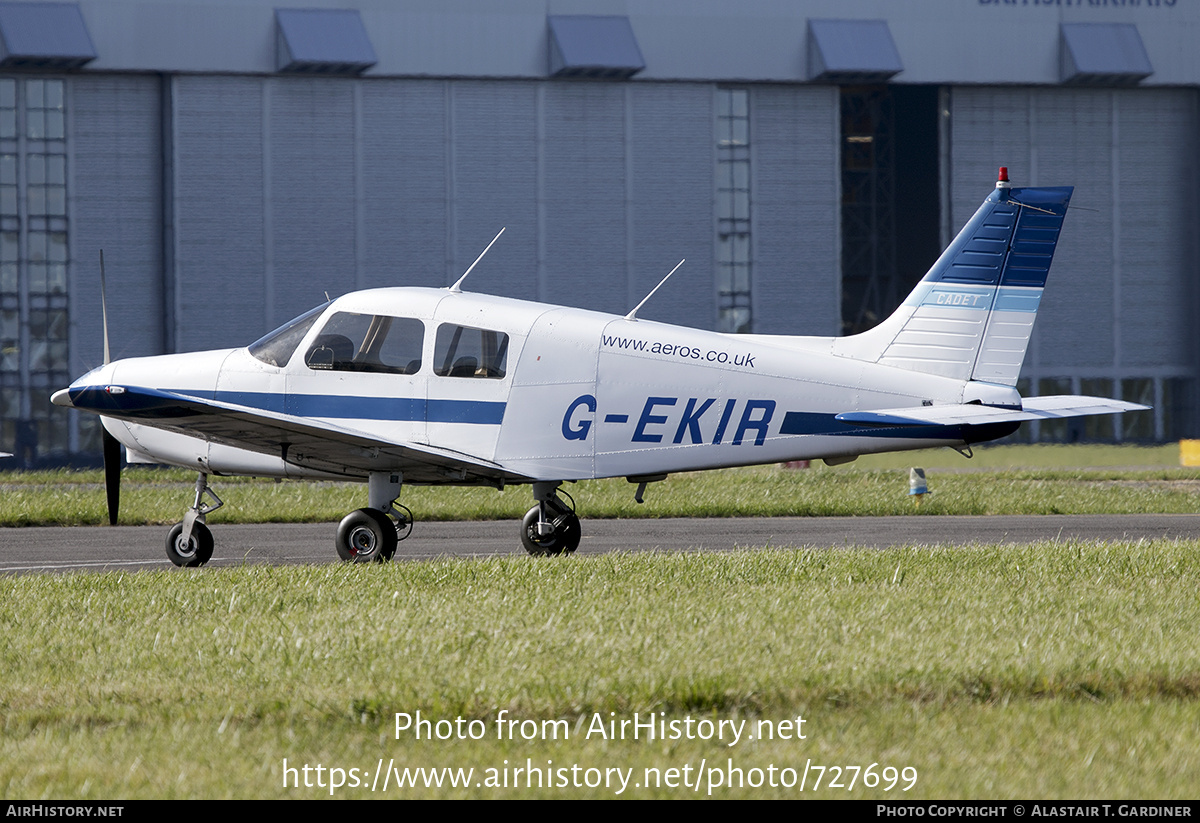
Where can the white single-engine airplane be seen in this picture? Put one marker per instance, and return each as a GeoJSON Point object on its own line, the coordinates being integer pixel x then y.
{"type": "Point", "coordinates": [435, 386]}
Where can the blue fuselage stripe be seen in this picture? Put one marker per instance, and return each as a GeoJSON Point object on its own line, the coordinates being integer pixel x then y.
{"type": "Point", "coordinates": [479, 412]}
{"type": "Point", "coordinates": [795, 422]}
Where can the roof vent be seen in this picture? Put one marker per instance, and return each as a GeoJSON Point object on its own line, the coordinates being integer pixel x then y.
{"type": "Point", "coordinates": [1102, 54]}
{"type": "Point", "coordinates": [322, 41]}
{"type": "Point", "coordinates": [852, 51]}
{"type": "Point", "coordinates": [43, 36]}
{"type": "Point", "coordinates": [593, 46]}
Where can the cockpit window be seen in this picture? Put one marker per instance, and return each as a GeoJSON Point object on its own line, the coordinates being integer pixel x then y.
{"type": "Point", "coordinates": [368, 343]}
{"type": "Point", "coordinates": [277, 347]}
{"type": "Point", "coordinates": [461, 351]}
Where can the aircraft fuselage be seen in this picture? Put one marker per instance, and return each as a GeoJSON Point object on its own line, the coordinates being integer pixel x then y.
{"type": "Point", "coordinates": [581, 395]}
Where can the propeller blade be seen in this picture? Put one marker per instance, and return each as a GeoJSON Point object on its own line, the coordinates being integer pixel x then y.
{"type": "Point", "coordinates": [104, 310]}
{"type": "Point", "coordinates": [112, 475]}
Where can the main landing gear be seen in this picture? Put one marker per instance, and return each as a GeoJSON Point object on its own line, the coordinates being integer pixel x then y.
{"type": "Point", "coordinates": [190, 543]}
{"type": "Point", "coordinates": [369, 535]}
{"type": "Point", "coordinates": [551, 527]}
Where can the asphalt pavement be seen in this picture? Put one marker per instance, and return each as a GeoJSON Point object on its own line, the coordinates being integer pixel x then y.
{"type": "Point", "coordinates": [107, 548]}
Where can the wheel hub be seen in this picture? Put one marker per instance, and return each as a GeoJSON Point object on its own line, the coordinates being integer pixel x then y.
{"type": "Point", "coordinates": [363, 541]}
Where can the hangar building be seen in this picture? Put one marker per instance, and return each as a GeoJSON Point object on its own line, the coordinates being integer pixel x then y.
{"type": "Point", "coordinates": [238, 161]}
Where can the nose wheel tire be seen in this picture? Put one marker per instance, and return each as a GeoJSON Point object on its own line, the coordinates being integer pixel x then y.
{"type": "Point", "coordinates": [366, 536]}
{"type": "Point", "coordinates": [563, 539]}
{"type": "Point", "coordinates": [196, 551]}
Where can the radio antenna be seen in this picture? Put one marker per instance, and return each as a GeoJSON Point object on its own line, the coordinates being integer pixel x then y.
{"type": "Point", "coordinates": [633, 314]}
{"type": "Point", "coordinates": [457, 287]}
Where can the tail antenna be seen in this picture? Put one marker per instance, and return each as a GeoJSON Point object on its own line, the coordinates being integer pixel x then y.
{"type": "Point", "coordinates": [633, 314]}
{"type": "Point", "coordinates": [457, 287]}
{"type": "Point", "coordinates": [104, 310]}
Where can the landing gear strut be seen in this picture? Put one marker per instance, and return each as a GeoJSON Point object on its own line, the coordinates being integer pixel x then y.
{"type": "Point", "coordinates": [190, 543]}
{"type": "Point", "coordinates": [369, 535]}
{"type": "Point", "coordinates": [551, 527]}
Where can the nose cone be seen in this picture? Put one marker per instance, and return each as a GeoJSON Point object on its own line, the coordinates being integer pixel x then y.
{"type": "Point", "coordinates": [100, 376]}
{"type": "Point", "coordinates": [136, 387]}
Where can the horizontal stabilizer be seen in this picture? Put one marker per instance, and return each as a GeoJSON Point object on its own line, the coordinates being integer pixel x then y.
{"type": "Point", "coordinates": [974, 414]}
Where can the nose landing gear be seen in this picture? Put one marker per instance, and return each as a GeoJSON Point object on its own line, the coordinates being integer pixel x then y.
{"type": "Point", "coordinates": [190, 543]}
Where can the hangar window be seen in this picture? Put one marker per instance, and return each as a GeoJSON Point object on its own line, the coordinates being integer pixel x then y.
{"type": "Point", "coordinates": [47, 189]}
{"type": "Point", "coordinates": [733, 209]}
{"type": "Point", "coordinates": [34, 250]}
{"type": "Point", "coordinates": [44, 116]}
{"type": "Point", "coordinates": [368, 343]}
{"type": "Point", "coordinates": [1138, 426]}
{"type": "Point", "coordinates": [461, 351]}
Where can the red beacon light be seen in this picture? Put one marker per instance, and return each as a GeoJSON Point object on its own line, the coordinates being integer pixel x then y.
{"type": "Point", "coordinates": [1002, 179]}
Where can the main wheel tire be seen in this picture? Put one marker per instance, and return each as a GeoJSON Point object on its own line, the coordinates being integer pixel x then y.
{"type": "Point", "coordinates": [563, 540]}
{"type": "Point", "coordinates": [193, 552]}
{"type": "Point", "coordinates": [366, 536]}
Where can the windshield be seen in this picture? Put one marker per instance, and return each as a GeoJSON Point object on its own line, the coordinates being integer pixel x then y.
{"type": "Point", "coordinates": [277, 348]}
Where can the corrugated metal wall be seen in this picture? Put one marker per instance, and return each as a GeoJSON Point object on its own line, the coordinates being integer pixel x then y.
{"type": "Point", "coordinates": [116, 206]}
{"type": "Point", "coordinates": [796, 222]}
{"type": "Point", "coordinates": [491, 183]}
{"type": "Point", "coordinates": [220, 193]}
{"type": "Point", "coordinates": [1118, 315]}
{"type": "Point", "coordinates": [275, 190]}
{"type": "Point", "coordinates": [285, 188]}
{"type": "Point", "coordinates": [309, 195]}
{"type": "Point", "coordinates": [404, 169]}
{"type": "Point", "coordinates": [674, 171]}
{"type": "Point", "coordinates": [584, 182]}
{"type": "Point", "coordinates": [1119, 299]}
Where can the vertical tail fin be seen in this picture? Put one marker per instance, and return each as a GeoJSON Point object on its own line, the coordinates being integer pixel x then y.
{"type": "Point", "coordinates": [972, 314]}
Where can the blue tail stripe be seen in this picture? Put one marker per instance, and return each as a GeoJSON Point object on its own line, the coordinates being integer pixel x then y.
{"type": "Point", "coordinates": [1033, 249]}
{"type": "Point", "coordinates": [1005, 244]}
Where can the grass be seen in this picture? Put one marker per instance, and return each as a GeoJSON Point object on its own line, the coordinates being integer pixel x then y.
{"type": "Point", "coordinates": [1054, 671]}
{"type": "Point", "coordinates": [1000, 480]}
{"type": "Point", "coordinates": [1058, 670]}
